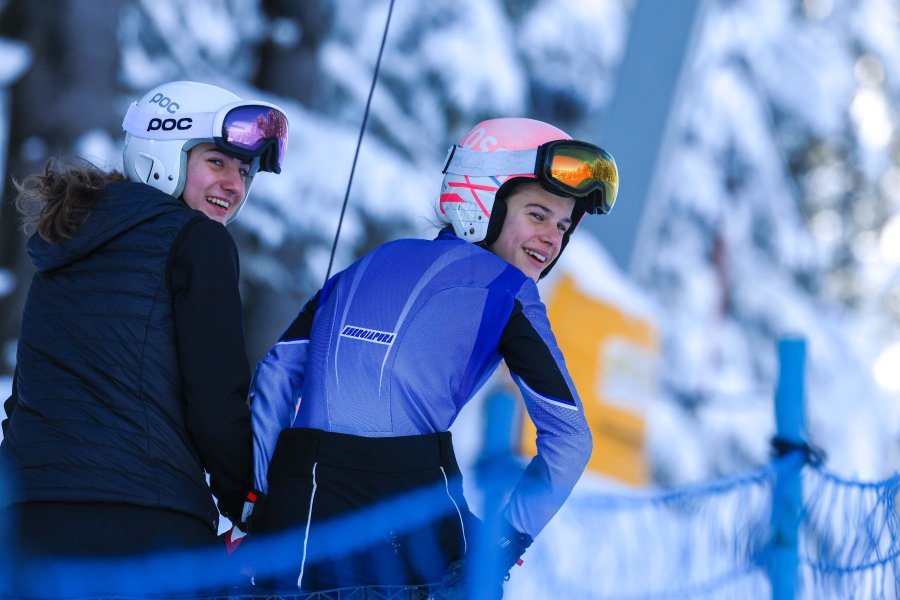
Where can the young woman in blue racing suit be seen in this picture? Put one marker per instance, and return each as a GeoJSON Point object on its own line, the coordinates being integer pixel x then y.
{"type": "Point", "coordinates": [351, 408]}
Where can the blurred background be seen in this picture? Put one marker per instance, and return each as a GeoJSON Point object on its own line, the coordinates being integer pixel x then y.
{"type": "Point", "coordinates": [758, 150]}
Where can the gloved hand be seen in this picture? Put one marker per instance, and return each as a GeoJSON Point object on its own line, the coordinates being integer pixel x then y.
{"type": "Point", "coordinates": [504, 553]}
{"type": "Point", "coordinates": [512, 545]}
{"type": "Point", "coordinates": [250, 512]}
{"type": "Point", "coordinates": [233, 538]}
{"type": "Point", "coordinates": [453, 585]}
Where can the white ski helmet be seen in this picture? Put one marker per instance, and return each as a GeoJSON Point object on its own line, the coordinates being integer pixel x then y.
{"type": "Point", "coordinates": [169, 120]}
{"type": "Point", "coordinates": [489, 161]}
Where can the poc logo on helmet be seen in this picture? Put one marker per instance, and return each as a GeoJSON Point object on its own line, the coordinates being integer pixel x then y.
{"type": "Point", "coordinates": [165, 102]}
{"type": "Point", "coordinates": [169, 124]}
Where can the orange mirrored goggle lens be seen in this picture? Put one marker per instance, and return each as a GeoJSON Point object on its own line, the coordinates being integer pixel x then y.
{"type": "Point", "coordinates": [579, 168]}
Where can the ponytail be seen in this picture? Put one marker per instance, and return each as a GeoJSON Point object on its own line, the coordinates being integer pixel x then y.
{"type": "Point", "coordinates": [57, 202]}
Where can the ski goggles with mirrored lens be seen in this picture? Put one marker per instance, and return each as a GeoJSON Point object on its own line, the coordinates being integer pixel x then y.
{"type": "Point", "coordinates": [246, 130]}
{"type": "Point", "coordinates": [565, 167]}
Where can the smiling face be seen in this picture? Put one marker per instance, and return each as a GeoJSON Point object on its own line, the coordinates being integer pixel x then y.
{"type": "Point", "coordinates": [533, 230]}
{"type": "Point", "coordinates": [215, 182]}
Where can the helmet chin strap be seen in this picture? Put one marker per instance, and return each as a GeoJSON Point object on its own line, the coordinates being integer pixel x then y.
{"type": "Point", "coordinates": [562, 247]}
{"type": "Point", "coordinates": [248, 181]}
{"type": "Point", "coordinates": [495, 224]}
{"type": "Point", "coordinates": [578, 212]}
{"type": "Point", "coordinates": [498, 210]}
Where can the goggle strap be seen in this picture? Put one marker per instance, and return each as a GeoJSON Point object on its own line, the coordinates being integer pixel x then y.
{"type": "Point", "coordinates": [462, 161]}
{"type": "Point", "coordinates": [179, 126]}
{"type": "Point", "coordinates": [450, 152]}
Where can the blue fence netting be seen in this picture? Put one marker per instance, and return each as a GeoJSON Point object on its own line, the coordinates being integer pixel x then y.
{"type": "Point", "coordinates": [849, 545]}
{"type": "Point", "coordinates": [788, 530]}
{"type": "Point", "coordinates": [714, 540]}
{"type": "Point", "coordinates": [709, 540]}
{"type": "Point", "coordinates": [696, 542]}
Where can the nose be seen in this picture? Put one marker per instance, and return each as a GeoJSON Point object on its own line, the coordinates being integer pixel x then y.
{"type": "Point", "coordinates": [233, 181]}
{"type": "Point", "coordinates": [551, 234]}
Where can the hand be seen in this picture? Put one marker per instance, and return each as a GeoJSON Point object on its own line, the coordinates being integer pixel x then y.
{"type": "Point", "coordinates": [512, 546]}
{"type": "Point", "coordinates": [249, 507]}
{"type": "Point", "coordinates": [454, 585]}
{"type": "Point", "coordinates": [233, 538]}
{"type": "Point", "coordinates": [252, 511]}
{"type": "Point", "coordinates": [239, 531]}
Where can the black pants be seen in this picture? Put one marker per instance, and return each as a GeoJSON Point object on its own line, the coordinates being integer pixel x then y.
{"type": "Point", "coordinates": [345, 510]}
{"type": "Point", "coordinates": [63, 549]}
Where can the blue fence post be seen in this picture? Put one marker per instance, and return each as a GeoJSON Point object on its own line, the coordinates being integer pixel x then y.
{"type": "Point", "coordinates": [790, 440]}
{"type": "Point", "coordinates": [496, 472]}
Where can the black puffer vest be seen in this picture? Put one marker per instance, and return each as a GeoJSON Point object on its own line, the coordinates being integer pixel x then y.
{"type": "Point", "coordinates": [101, 410]}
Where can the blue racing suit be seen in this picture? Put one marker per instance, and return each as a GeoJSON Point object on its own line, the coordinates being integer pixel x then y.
{"type": "Point", "coordinates": [400, 341]}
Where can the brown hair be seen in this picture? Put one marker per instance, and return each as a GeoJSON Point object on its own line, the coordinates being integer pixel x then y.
{"type": "Point", "coordinates": [57, 202]}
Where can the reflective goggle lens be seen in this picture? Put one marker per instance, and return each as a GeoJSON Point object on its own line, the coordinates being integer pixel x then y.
{"type": "Point", "coordinates": [579, 168]}
{"type": "Point", "coordinates": [252, 128]}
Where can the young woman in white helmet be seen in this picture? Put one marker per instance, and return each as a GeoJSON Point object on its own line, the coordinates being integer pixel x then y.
{"type": "Point", "coordinates": [131, 374]}
{"type": "Point", "coordinates": [353, 405]}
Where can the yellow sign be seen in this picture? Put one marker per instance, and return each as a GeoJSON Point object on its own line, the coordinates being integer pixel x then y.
{"type": "Point", "coordinates": [612, 356]}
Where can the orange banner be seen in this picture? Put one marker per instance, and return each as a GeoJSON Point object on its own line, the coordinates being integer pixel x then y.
{"type": "Point", "coordinates": [613, 359]}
